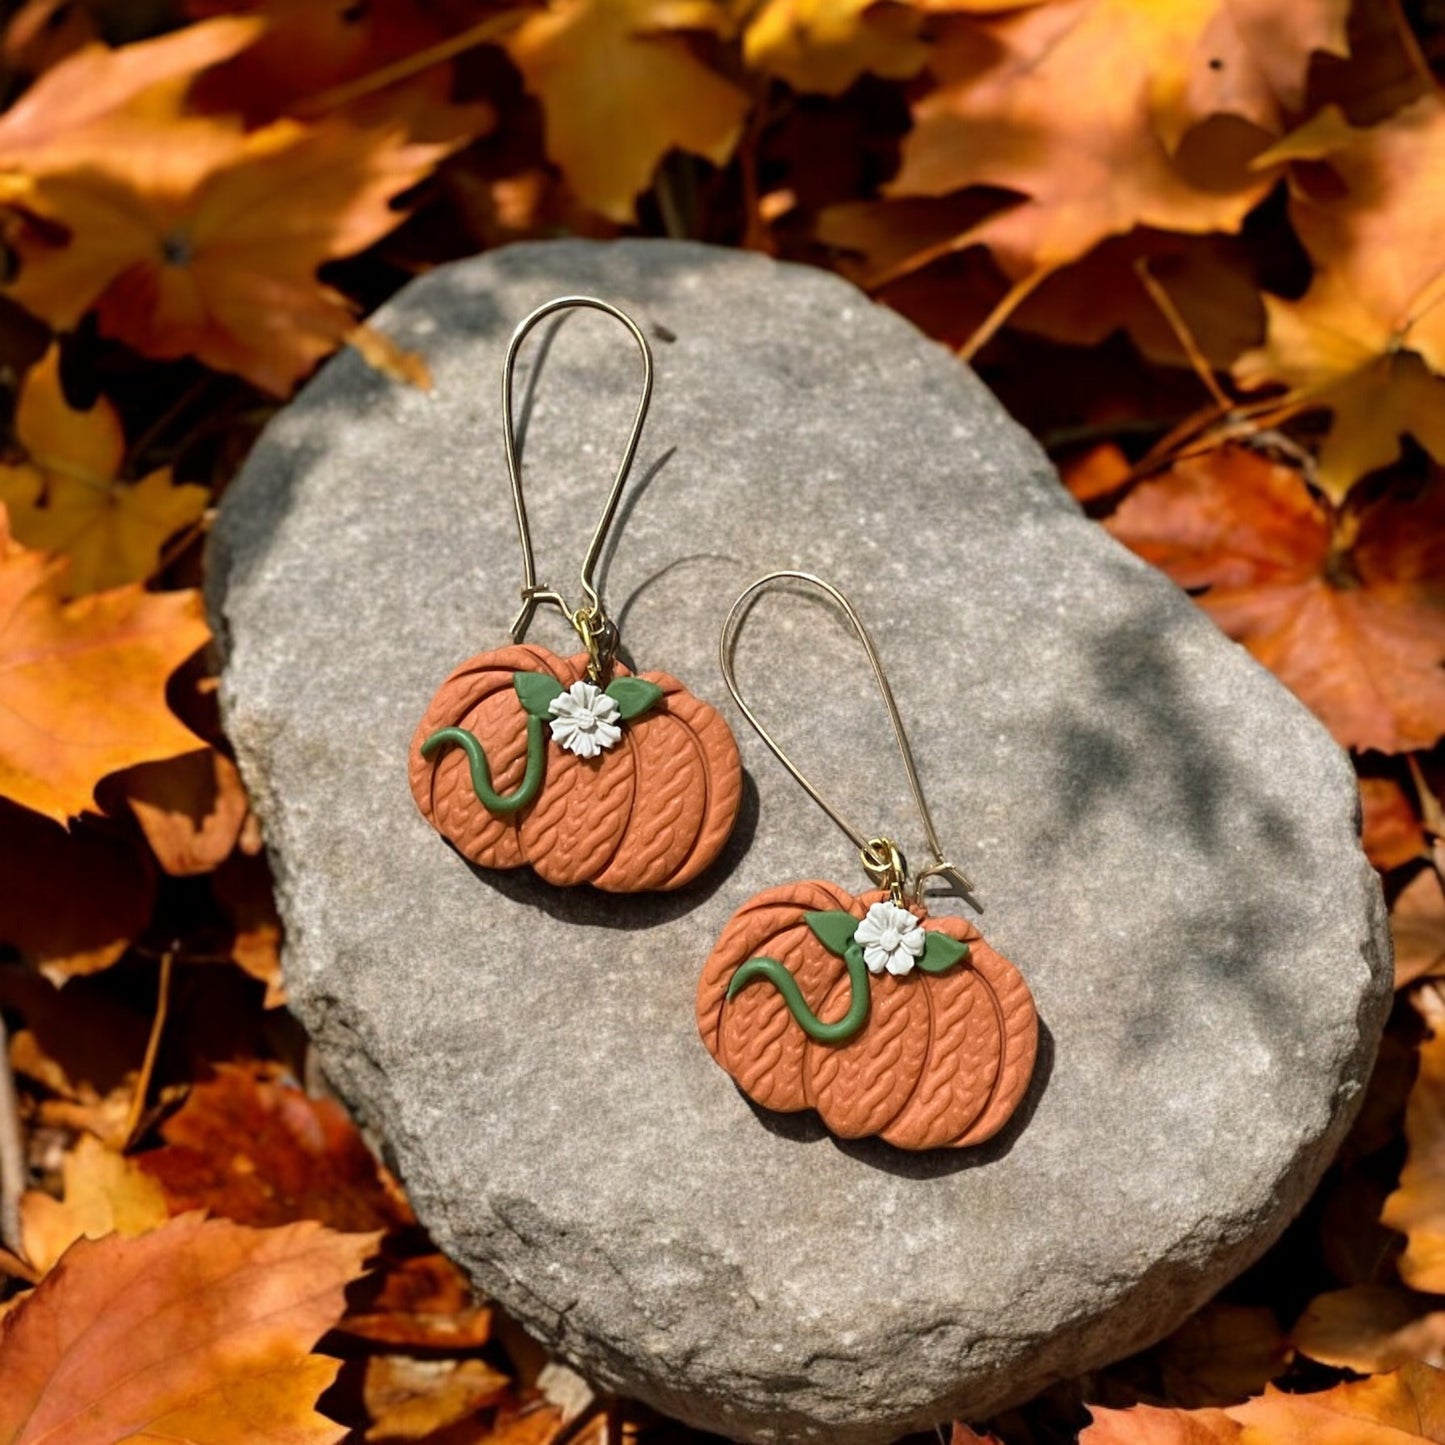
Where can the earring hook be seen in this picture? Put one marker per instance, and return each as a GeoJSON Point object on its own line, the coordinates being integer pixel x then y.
{"type": "Point", "coordinates": [881, 858]}
{"type": "Point", "coordinates": [597, 630]}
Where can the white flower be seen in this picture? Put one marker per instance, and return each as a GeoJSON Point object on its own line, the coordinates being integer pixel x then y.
{"type": "Point", "coordinates": [891, 937]}
{"type": "Point", "coordinates": [584, 719]}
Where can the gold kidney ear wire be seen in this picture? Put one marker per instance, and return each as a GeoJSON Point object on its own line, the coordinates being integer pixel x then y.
{"type": "Point", "coordinates": [590, 620]}
{"type": "Point", "coordinates": [882, 859]}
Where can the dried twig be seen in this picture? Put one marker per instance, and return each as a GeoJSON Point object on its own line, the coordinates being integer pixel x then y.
{"type": "Point", "coordinates": [1013, 298]}
{"type": "Point", "coordinates": [1198, 362]}
{"type": "Point", "coordinates": [153, 1048]}
{"type": "Point", "coordinates": [12, 1152]}
{"type": "Point", "coordinates": [483, 33]}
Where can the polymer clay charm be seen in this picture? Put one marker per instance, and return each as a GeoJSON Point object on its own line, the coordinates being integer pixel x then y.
{"type": "Point", "coordinates": [885, 1020]}
{"type": "Point", "coordinates": [521, 758]}
{"type": "Point", "coordinates": [574, 765]}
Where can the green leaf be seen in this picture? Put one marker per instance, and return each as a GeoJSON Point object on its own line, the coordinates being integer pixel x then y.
{"type": "Point", "coordinates": [633, 695]}
{"type": "Point", "coordinates": [536, 690]}
{"type": "Point", "coordinates": [941, 952]}
{"type": "Point", "coordinates": [832, 929]}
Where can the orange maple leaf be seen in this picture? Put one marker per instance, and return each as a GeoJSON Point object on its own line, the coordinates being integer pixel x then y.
{"type": "Point", "coordinates": [66, 495]}
{"type": "Point", "coordinates": [1415, 1206]}
{"type": "Point", "coordinates": [260, 1151]}
{"type": "Point", "coordinates": [243, 890]}
{"type": "Point", "coordinates": [95, 81]}
{"type": "Point", "coordinates": [1367, 340]}
{"type": "Point", "coordinates": [1391, 833]}
{"type": "Point", "coordinates": [191, 809]}
{"type": "Point", "coordinates": [197, 1330]}
{"type": "Point", "coordinates": [620, 90]}
{"type": "Point", "coordinates": [1371, 1328]}
{"type": "Point", "coordinates": [416, 1399]}
{"type": "Point", "coordinates": [189, 235]}
{"type": "Point", "coordinates": [1407, 1404]}
{"type": "Point", "coordinates": [83, 684]}
{"type": "Point", "coordinates": [825, 45]}
{"type": "Point", "coordinates": [1151, 1425]}
{"type": "Point", "coordinates": [105, 1193]}
{"type": "Point", "coordinates": [1348, 611]}
{"type": "Point", "coordinates": [381, 60]}
{"type": "Point", "coordinates": [1392, 1409]}
{"type": "Point", "coordinates": [1080, 106]}
{"type": "Point", "coordinates": [1417, 925]}
{"type": "Point", "coordinates": [423, 1301]}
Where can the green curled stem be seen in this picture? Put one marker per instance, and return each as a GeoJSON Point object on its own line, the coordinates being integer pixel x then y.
{"type": "Point", "coordinates": [834, 1033]}
{"type": "Point", "coordinates": [491, 800]}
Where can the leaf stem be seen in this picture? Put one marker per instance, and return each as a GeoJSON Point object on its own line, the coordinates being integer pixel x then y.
{"type": "Point", "coordinates": [1010, 302]}
{"type": "Point", "coordinates": [12, 1152]}
{"type": "Point", "coordinates": [1193, 353]}
{"type": "Point", "coordinates": [153, 1048]}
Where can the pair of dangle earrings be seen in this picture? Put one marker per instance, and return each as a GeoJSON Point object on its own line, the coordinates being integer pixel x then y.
{"type": "Point", "coordinates": [885, 1021]}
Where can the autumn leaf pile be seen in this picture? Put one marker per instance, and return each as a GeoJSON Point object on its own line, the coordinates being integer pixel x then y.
{"type": "Point", "coordinates": [1198, 248]}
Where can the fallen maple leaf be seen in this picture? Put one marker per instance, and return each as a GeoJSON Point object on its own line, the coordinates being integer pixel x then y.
{"type": "Point", "coordinates": [1417, 924]}
{"type": "Point", "coordinates": [960, 1434]}
{"type": "Point", "coordinates": [1151, 1425]}
{"type": "Point", "coordinates": [243, 889]}
{"type": "Point", "coordinates": [538, 1424]}
{"type": "Point", "coordinates": [409, 1398]}
{"type": "Point", "coordinates": [1392, 1409]}
{"type": "Point", "coordinates": [1058, 103]}
{"type": "Point", "coordinates": [423, 1301]}
{"type": "Point", "coordinates": [1223, 1353]}
{"type": "Point", "coordinates": [1408, 1404]}
{"type": "Point", "coordinates": [191, 809]}
{"type": "Point", "coordinates": [1371, 1328]}
{"type": "Point", "coordinates": [84, 681]}
{"type": "Point", "coordinates": [1416, 1208]}
{"type": "Point", "coordinates": [66, 495]}
{"type": "Point", "coordinates": [1354, 625]}
{"type": "Point", "coordinates": [104, 1193]}
{"type": "Point", "coordinates": [258, 1150]}
{"type": "Point", "coordinates": [1245, 58]}
{"type": "Point", "coordinates": [191, 236]}
{"type": "Point", "coordinates": [196, 1331]}
{"type": "Point", "coordinates": [1391, 832]}
{"type": "Point", "coordinates": [620, 90]}
{"type": "Point", "coordinates": [1360, 340]}
{"type": "Point", "coordinates": [47, 868]}
{"type": "Point", "coordinates": [307, 50]}
{"type": "Point", "coordinates": [95, 81]}
{"type": "Point", "coordinates": [825, 45]}
{"type": "Point", "coordinates": [80, 1048]}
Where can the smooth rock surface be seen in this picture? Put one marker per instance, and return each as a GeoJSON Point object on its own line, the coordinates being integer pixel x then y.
{"type": "Point", "coordinates": [1164, 840]}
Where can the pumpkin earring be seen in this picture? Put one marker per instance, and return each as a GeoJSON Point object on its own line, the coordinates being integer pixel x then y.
{"type": "Point", "coordinates": [884, 1020]}
{"type": "Point", "coordinates": [574, 765]}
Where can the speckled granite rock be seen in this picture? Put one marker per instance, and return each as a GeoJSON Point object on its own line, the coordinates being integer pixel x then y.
{"type": "Point", "coordinates": [1164, 840]}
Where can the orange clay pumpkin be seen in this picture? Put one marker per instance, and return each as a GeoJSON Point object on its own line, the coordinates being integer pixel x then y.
{"type": "Point", "coordinates": [649, 808]}
{"type": "Point", "coordinates": [936, 1058]}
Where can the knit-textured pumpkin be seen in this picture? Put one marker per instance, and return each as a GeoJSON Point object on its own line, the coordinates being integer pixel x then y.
{"type": "Point", "coordinates": [647, 810]}
{"type": "Point", "coordinates": [937, 1058]}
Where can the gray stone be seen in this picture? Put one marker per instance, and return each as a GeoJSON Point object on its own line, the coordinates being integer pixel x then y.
{"type": "Point", "coordinates": [1164, 840]}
